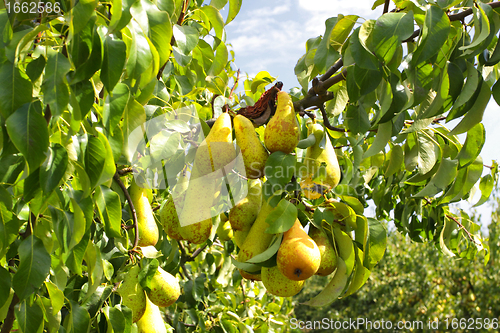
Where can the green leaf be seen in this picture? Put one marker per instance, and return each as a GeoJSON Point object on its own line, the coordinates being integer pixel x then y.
{"type": "Point", "coordinates": [117, 320]}
{"type": "Point", "coordinates": [216, 20]}
{"type": "Point", "coordinates": [434, 34]}
{"type": "Point", "coordinates": [16, 89]}
{"type": "Point", "coordinates": [377, 243]}
{"type": "Point", "coordinates": [5, 281]}
{"type": "Point", "coordinates": [186, 38]}
{"type": "Point", "coordinates": [357, 119]}
{"type": "Point", "coordinates": [33, 268]}
{"type": "Point", "coordinates": [423, 154]}
{"type": "Point", "coordinates": [481, 26]}
{"type": "Point", "coordinates": [95, 159]}
{"type": "Point", "coordinates": [384, 134]}
{"type": "Point", "coordinates": [29, 317]}
{"type": "Point", "coordinates": [56, 297]}
{"type": "Point", "coordinates": [95, 302]}
{"type": "Point", "coordinates": [160, 30]}
{"type": "Point", "coordinates": [77, 320]}
{"type": "Point", "coordinates": [109, 205]}
{"type": "Point", "coordinates": [28, 131]}
{"type": "Point", "coordinates": [234, 9]}
{"type": "Point", "coordinates": [282, 217]}
{"type": "Point", "coordinates": [262, 78]}
{"type": "Point", "coordinates": [74, 257]}
{"type": "Point", "coordinates": [362, 57]}
{"type": "Point", "coordinates": [472, 146]}
{"type": "Point", "coordinates": [445, 174]}
{"type": "Point", "coordinates": [134, 117]}
{"type": "Point", "coordinates": [164, 144]}
{"type": "Point", "coordinates": [485, 186]}
{"type": "Point", "coordinates": [35, 68]}
{"type": "Point", "coordinates": [113, 61]}
{"type": "Point", "coordinates": [395, 161]}
{"type": "Point", "coordinates": [81, 99]}
{"type": "Point", "coordinates": [55, 89]}
{"type": "Point", "coordinates": [219, 61]}
{"type": "Point", "coordinates": [115, 105]}
{"type": "Point", "coordinates": [475, 114]}
{"type": "Point", "coordinates": [280, 168]}
{"type": "Point", "coordinates": [269, 253]}
{"type": "Point", "coordinates": [92, 64]}
{"type": "Point", "coordinates": [465, 180]}
{"type": "Point", "coordinates": [54, 168]}
{"type": "Point", "coordinates": [333, 289]}
{"type": "Point", "coordinates": [81, 14]}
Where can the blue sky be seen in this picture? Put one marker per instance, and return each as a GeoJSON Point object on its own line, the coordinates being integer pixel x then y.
{"type": "Point", "coordinates": [271, 36]}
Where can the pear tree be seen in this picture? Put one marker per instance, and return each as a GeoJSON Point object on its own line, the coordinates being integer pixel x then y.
{"type": "Point", "coordinates": [104, 111]}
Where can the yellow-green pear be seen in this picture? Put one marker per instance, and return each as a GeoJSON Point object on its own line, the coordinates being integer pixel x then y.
{"type": "Point", "coordinates": [257, 240]}
{"type": "Point", "coordinates": [239, 237]}
{"type": "Point", "coordinates": [148, 230]}
{"type": "Point", "coordinates": [253, 152]}
{"type": "Point", "coordinates": [328, 254]}
{"type": "Point", "coordinates": [168, 211]}
{"type": "Point", "coordinates": [224, 231]}
{"type": "Point", "coordinates": [278, 284]}
{"type": "Point", "coordinates": [133, 296]}
{"type": "Point", "coordinates": [315, 156]}
{"type": "Point", "coordinates": [282, 131]}
{"type": "Point", "coordinates": [197, 233]}
{"type": "Point", "coordinates": [244, 213]}
{"type": "Point", "coordinates": [152, 320]}
{"type": "Point", "coordinates": [298, 256]}
{"type": "Point", "coordinates": [165, 289]}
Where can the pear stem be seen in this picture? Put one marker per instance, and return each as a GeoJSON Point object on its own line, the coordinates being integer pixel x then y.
{"type": "Point", "coordinates": [116, 177]}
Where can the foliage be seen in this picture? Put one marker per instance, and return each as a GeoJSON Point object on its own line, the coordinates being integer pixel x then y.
{"type": "Point", "coordinates": [77, 82]}
{"type": "Point", "coordinates": [415, 282]}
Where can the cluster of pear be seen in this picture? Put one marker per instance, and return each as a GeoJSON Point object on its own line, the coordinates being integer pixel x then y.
{"type": "Point", "coordinates": [145, 304]}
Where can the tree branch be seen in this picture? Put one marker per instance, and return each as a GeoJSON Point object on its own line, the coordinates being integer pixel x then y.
{"type": "Point", "coordinates": [116, 177]}
{"type": "Point", "coordinates": [386, 6]}
{"type": "Point", "coordinates": [327, 122]}
{"type": "Point", "coordinates": [461, 226]}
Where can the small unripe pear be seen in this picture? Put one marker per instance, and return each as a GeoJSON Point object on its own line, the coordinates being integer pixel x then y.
{"type": "Point", "coordinates": [133, 296]}
{"type": "Point", "coordinates": [328, 254]}
{"type": "Point", "coordinates": [224, 231]}
{"type": "Point", "coordinates": [165, 289]}
{"type": "Point", "coordinates": [151, 321]}
{"type": "Point", "coordinates": [278, 284]}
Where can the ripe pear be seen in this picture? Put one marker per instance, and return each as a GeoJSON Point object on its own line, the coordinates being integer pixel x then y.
{"type": "Point", "coordinates": [133, 296]}
{"type": "Point", "coordinates": [282, 131]}
{"type": "Point", "coordinates": [239, 237]}
{"type": "Point", "coordinates": [298, 256]}
{"type": "Point", "coordinates": [215, 152]}
{"type": "Point", "coordinates": [148, 230]}
{"type": "Point", "coordinates": [253, 152]}
{"type": "Point", "coordinates": [165, 289]}
{"type": "Point", "coordinates": [224, 231]}
{"type": "Point", "coordinates": [152, 320]}
{"type": "Point", "coordinates": [168, 211]}
{"type": "Point", "coordinates": [328, 254]}
{"type": "Point", "coordinates": [257, 240]}
{"type": "Point", "coordinates": [278, 284]}
{"type": "Point", "coordinates": [244, 213]}
{"type": "Point", "coordinates": [315, 156]}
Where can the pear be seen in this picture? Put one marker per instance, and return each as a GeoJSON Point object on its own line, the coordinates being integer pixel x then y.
{"type": "Point", "coordinates": [315, 156]}
{"type": "Point", "coordinates": [170, 220]}
{"type": "Point", "coordinates": [165, 289]}
{"type": "Point", "coordinates": [298, 257]}
{"type": "Point", "coordinates": [239, 237]}
{"type": "Point", "coordinates": [152, 320]}
{"type": "Point", "coordinates": [328, 254]}
{"type": "Point", "coordinates": [148, 230]}
{"type": "Point", "coordinates": [224, 231]}
{"type": "Point", "coordinates": [244, 213]}
{"type": "Point", "coordinates": [257, 240]}
{"type": "Point", "coordinates": [133, 296]}
{"type": "Point", "coordinates": [253, 152]}
{"type": "Point", "coordinates": [278, 284]}
{"type": "Point", "coordinates": [215, 152]}
{"type": "Point", "coordinates": [282, 131]}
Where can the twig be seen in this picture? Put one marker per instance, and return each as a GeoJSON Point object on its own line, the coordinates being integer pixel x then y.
{"type": "Point", "coordinates": [116, 177]}
{"type": "Point", "coordinates": [235, 83]}
{"type": "Point", "coordinates": [386, 6]}
{"type": "Point", "coordinates": [340, 147]}
{"type": "Point", "coordinates": [461, 226]}
{"type": "Point", "coordinates": [125, 171]}
{"type": "Point", "coordinates": [327, 122]}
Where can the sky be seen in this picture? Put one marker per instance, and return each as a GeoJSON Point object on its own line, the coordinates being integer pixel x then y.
{"type": "Point", "coordinates": [271, 36]}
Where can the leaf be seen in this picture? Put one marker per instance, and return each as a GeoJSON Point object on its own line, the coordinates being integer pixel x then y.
{"type": "Point", "coordinates": [269, 253]}
{"type": "Point", "coordinates": [472, 146]}
{"type": "Point", "coordinates": [77, 320]}
{"type": "Point", "coordinates": [113, 61]}
{"type": "Point", "coordinates": [444, 236]}
{"type": "Point", "coordinates": [423, 154]}
{"type": "Point", "coordinates": [28, 131]}
{"type": "Point", "coordinates": [280, 168]}
{"type": "Point", "coordinates": [357, 119]}
{"type": "Point", "coordinates": [475, 114]}
{"type": "Point", "coordinates": [486, 187]}
{"type": "Point", "coordinates": [134, 118]}
{"type": "Point", "coordinates": [361, 274]}
{"type": "Point", "coordinates": [16, 89]}
{"type": "Point", "coordinates": [160, 30]}
{"type": "Point", "coordinates": [481, 26]}
{"type": "Point", "coordinates": [465, 180]}
{"type": "Point", "coordinates": [220, 60]}
{"type": "Point", "coordinates": [262, 78]}
{"type": "Point", "coordinates": [395, 161]}
{"type": "Point", "coordinates": [281, 218]}
{"type": "Point", "coordinates": [117, 320]}
{"type": "Point", "coordinates": [54, 168]}
{"type": "Point", "coordinates": [445, 174]}
{"type": "Point", "coordinates": [56, 297]}
{"type": "Point", "coordinates": [216, 20]}
{"type": "Point", "coordinates": [5, 280]}
{"type": "Point", "coordinates": [434, 34]}
{"type": "Point", "coordinates": [81, 14]}
{"type": "Point", "coordinates": [334, 288]}
{"type": "Point", "coordinates": [384, 134]}
{"type": "Point", "coordinates": [377, 243]}
{"type": "Point", "coordinates": [186, 38]}
{"type": "Point", "coordinates": [95, 158]}
{"type": "Point", "coordinates": [234, 9]}
{"type": "Point", "coordinates": [29, 317]}
{"type": "Point", "coordinates": [109, 205]}
{"type": "Point", "coordinates": [34, 267]}
{"type": "Point", "coordinates": [164, 144]}
{"type": "Point", "coordinates": [54, 88]}
{"type": "Point", "coordinates": [115, 106]}
{"type": "Point", "coordinates": [35, 68]}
